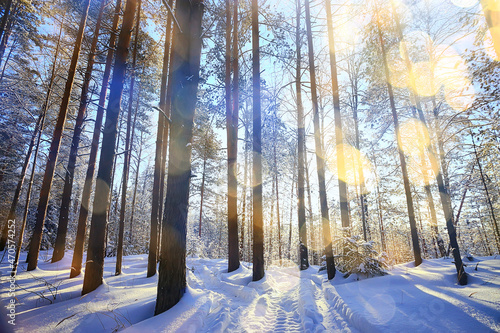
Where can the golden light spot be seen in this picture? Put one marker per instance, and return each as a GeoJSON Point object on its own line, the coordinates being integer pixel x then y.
{"type": "Point", "coordinates": [403, 49]}
{"type": "Point", "coordinates": [398, 74]}
{"type": "Point", "coordinates": [460, 98]}
{"type": "Point", "coordinates": [354, 162]}
{"type": "Point", "coordinates": [464, 3]}
{"type": "Point", "coordinates": [493, 5]}
{"type": "Point", "coordinates": [346, 35]}
{"type": "Point", "coordinates": [449, 66]}
{"type": "Point", "coordinates": [346, 28]}
{"type": "Point", "coordinates": [413, 137]}
{"type": "Point", "coordinates": [422, 168]}
{"type": "Point", "coordinates": [240, 175]}
{"type": "Point", "coordinates": [405, 14]}
{"type": "Point", "coordinates": [398, 79]}
{"type": "Point", "coordinates": [384, 17]}
{"type": "Point", "coordinates": [423, 79]}
{"type": "Point", "coordinates": [417, 41]}
{"type": "Point", "coordinates": [489, 39]}
{"type": "Point", "coordinates": [441, 51]}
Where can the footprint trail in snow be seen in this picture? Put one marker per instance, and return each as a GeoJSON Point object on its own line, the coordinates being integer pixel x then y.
{"type": "Point", "coordinates": [284, 301]}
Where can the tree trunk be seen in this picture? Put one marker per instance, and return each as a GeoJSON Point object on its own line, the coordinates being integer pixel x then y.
{"type": "Point", "coordinates": [62, 228]}
{"type": "Point", "coordinates": [340, 151]}
{"type": "Point", "coordinates": [95, 255]}
{"type": "Point", "coordinates": [111, 186]}
{"type": "Point", "coordinates": [258, 232]}
{"type": "Point", "coordinates": [427, 188]}
{"type": "Point", "coordinates": [293, 188]}
{"type": "Point", "coordinates": [44, 110]}
{"type": "Point", "coordinates": [320, 162]}
{"type": "Point", "coordinates": [36, 239]}
{"type": "Point", "coordinates": [409, 200]}
{"type": "Point", "coordinates": [186, 54]}
{"type": "Point", "coordinates": [128, 145]}
{"type": "Point", "coordinates": [134, 196]}
{"type": "Point", "coordinates": [234, 122]}
{"type": "Point", "coordinates": [243, 255]}
{"type": "Point", "coordinates": [493, 21]}
{"type": "Point", "coordinates": [161, 145]}
{"type": "Point", "coordinates": [76, 263]}
{"type": "Point", "coordinates": [457, 218]}
{"type": "Point", "coordinates": [362, 185]}
{"type": "Point", "coordinates": [202, 192]}
{"type": "Point", "coordinates": [28, 196]}
{"type": "Point", "coordinates": [12, 47]}
{"type": "Point", "coordinates": [301, 136]}
{"type": "Point", "coordinates": [381, 219]}
{"type": "Point", "coordinates": [132, 137]}
{"type": "Point", "coordinates": [17, 192]}
{"type": "Point", "coordinates": [166, 105]}
{"type": "Point", "coordinates": [418, 107]}
{"type": "Point", "coordinates": [307, 186]}
{"type": "Point", "coordinates": [232, 153]}
{"type": "Point", "coordinates": [488, 198]}
{"type": "Point", "coordinates": [278, 217]}
{"type": "Point", "coordinates": [5, 38]}
{"type": "Point", "coordinates": [271, 219]}
{"type": "Point", "coordinates": [5, 17]}
{"type": "Point", "coordinates": [250, 217]}
{"type": "Point", "coordinates": [35, 157]}
{"type": "Point", "coordinates": [444, 169]}
{"type": "Point", "coordinates": [421, 229]}
{"type": "Point", "coordinates": [344, 212]}
{"type": "Point", "coordinates": [443, 191]}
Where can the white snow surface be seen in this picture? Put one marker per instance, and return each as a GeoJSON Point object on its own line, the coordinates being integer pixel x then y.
{"type": "Point", "coordinates": [411, 299]}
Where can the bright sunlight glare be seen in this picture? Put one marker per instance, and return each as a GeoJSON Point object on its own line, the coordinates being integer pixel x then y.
{"type": "Point", "coordinates": [488, 42]}
{"type": "Point", "coordinates": [354, 162]}
{"type": "Point", "coordinates": [413, 137]}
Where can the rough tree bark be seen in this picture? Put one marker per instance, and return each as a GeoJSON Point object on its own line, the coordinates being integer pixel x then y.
{"type": "Point", "coordinates": [409, 200]}
{"type": "Point", "coordinates": [5, 39]}
{"type": "Point", "coordinates": [161, 150]}
{"type": "Point", "coordinates": [128, 146]}
{"type": "Point", "coordinates": [134, 195]}
{"type": "Point", "coordinates": [443, 191]}
{"type": "Point", "coordinates": [5, 17]}
{"type": "Point", "coordinates": [301, 137]}
{"type": "Point", "coordinates": [258, 225]}
{"type": "Point", "coordinates": [278, 218]}
{"type": "Point", "coordinates": [320, 160]}
{"type": "Point", "coordinates": [418, 108]}
{"type": "Point", "coordinates": [340, 152]}
{"type": "Point", "coordinates": [232, 153]}
{"type": "Point", "coordinates": [95, 255]}
{"type": "Point", "coordinates": [186, 53]}
{"type": "Point", "coordinates": [62, 227]}
{"type": "Point", "coordinates": [36, 239]}
{"type": "Point", "coordinates": [244, 213]}
{"type": "Point", "coordinates": [76, 263]}
{"type": "Point", "coordinates": [35, 157]}
{"type": "Point", "coordinates": [166, 105]}
{"type": "Point", "coordinates": [488, 197]}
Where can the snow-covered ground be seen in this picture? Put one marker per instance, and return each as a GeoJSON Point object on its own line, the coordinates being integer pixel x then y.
{"type": "Point", "coordinates": [421, 299]}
